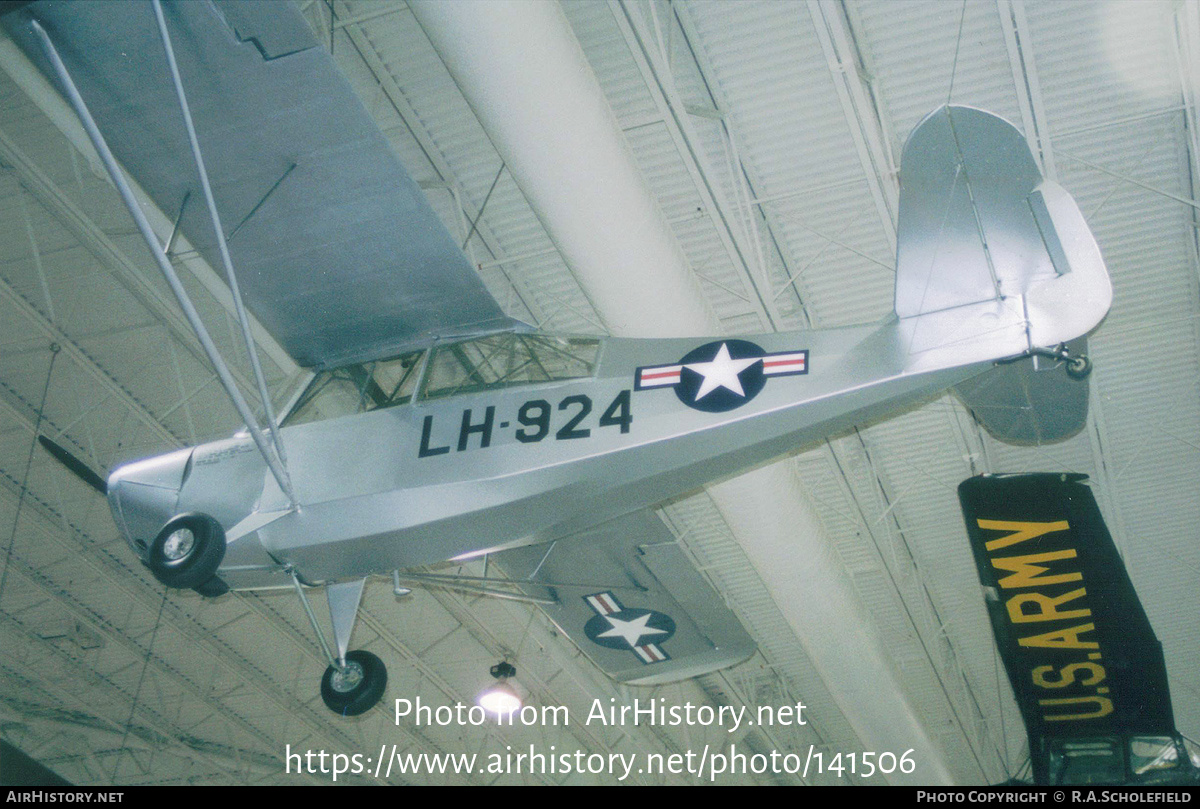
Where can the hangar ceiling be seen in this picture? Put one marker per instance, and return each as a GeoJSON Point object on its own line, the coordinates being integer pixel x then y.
{"type": "Point", "coordinates": [769, 134]}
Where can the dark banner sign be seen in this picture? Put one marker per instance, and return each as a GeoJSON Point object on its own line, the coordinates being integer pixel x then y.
{"type": "Point", "coordinates": [1079, 650]}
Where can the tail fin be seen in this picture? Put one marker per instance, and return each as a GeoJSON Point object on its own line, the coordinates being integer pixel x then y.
{"type": "Point", "coordinates": [995, 262]}
{"type": "Point", "coordinates": [992, 258]}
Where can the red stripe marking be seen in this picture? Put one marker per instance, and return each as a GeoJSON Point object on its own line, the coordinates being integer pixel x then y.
{"type": "Point", "coordinates": [658, 375]}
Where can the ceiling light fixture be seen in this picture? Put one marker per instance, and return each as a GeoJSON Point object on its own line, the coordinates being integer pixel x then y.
{"type": "Point", "coordinates": [500, 698]}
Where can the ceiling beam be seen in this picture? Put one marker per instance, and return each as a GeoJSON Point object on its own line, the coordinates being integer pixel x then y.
{"type": "Point", "coordinates": [81, 673]}
{"type": "Point", "coordinates": [860, 110]}
{"type": "Point", "coordinates": [739, 244]}
{"type": "Point", "coordinates": [1018, 39]}
{"type": "Point", "coordinates": [437, 161]}
{"type": "Point", "coordinates": [80, 357]}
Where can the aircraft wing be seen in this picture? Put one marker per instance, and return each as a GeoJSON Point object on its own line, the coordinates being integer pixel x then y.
{"type": "Point", "coordinates": [628, 596]}
{"type": "Point", "coordinates": [338, 253]}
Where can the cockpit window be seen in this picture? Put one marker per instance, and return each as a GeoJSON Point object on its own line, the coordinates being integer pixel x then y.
{"type": "Point", "coordinates": [358, 389]}
{"type": "Point", "coordinates": [507, 360]}
{"type": "Point", "coordinates": [485, 363]}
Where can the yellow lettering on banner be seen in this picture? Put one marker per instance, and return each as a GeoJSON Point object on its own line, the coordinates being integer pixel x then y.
{"type": "Point", "coordinates": [1062, 639]}
{"type": "Point", "coordinates": [1067, 675]}
{"type": "Point", "coordinates": [1025, 570]}
{"type": "Point", "coordinates": [1046, 607]}
{"type": "Point", "coordinates": [1104, 707]}
{"type": "Point", "coordinates": [1021, 531]}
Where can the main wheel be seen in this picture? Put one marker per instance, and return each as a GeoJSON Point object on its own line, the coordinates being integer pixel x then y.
{"type": "Point", "coordinates": [187, 551]}
{"type": "Point", "coordinates": [356, 688]}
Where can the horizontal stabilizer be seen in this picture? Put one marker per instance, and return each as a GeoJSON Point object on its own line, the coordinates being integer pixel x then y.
{"type": "Point", "coordinates": [1030, 401]}
{"type": "Point", "coordinates": [628, 596]}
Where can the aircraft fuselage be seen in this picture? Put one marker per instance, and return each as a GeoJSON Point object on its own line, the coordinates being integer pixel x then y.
{"type": "Point", "coordinates": [447, 478]}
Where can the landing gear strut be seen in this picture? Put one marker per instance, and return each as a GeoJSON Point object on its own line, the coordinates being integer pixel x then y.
{"type": "Point", "coordinates": [354, 681]}
{"type": "Point", "coordinates": [1078, 366]}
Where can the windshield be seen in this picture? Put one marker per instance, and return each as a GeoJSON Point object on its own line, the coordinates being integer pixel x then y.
{"type": "Point", "coordinates": [484, 363]}
{"type": "Point", "coordinates": [357, 389]}
{"type": "Point", "coordinates": [507, 360]}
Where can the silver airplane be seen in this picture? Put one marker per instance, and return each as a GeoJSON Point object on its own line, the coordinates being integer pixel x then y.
{"type": "Point", "coordinates": [435, 428]}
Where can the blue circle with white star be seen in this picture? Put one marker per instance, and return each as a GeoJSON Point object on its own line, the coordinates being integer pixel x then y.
{"type": "Point", "coordinates": [629, 628]}
{"type": "Point", "coordinates": [721, 375]}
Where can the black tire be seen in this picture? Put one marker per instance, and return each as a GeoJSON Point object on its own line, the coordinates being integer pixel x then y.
{"type": "Point", "coordinates": [195, 564]}
{"type": "Point", "coordinates": [213, 588]}
{"type": "Point", "coordinates": [361, 696]}
{"type": "Point", "coordinates": [1079, 367]}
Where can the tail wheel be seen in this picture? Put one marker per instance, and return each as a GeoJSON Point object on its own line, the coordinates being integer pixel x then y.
{"type": "Point", "coordinates": [1079, 367]}
{"type": "Point", "coordinates": [354, 689]}
{"type": "Point", "coordinates": [187, 551]}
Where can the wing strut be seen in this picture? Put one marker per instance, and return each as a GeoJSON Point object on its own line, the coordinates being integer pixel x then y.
{"type": "Point", "coordinates": [244, 321]}
{"type": "Point", "coordinates": [110, 164]}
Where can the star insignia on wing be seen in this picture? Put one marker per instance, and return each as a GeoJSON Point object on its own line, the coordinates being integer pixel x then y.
{"type": "Point", "coordinates": [631, 631]}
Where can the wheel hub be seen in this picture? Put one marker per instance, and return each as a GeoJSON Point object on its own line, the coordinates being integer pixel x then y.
{"type": "Point", "coordinates": [346, 678]}
{"type": "Point", "coordinates": [179, 544]}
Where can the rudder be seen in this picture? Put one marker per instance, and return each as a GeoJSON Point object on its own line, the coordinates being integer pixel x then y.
{"type": "Point", "coordinates": [979, 223]}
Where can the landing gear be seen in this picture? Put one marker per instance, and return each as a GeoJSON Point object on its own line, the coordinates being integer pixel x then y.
{"type": "Point", "coordinates": [187, 551]}
{"type": "Point", "coordinates": [354, 681]}
{"type": "Point", "coordinates": [354, 689]}
{"type": "Point", "coordinates": [1079, 367]}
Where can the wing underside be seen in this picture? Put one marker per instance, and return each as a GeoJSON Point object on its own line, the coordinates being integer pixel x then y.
{"type": "Point", "coordinates": [627, 594]}
{"type": "Point", "coordinates": [338, 253]}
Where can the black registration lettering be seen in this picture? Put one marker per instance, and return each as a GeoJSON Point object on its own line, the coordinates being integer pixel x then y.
{"type": "Point", "coordinates": [535, 414]}
{"type": "Point", "coordinates": [617, 414]}
{"type": "Point", "coordinates": [569, 429]}
{"type": "Point", "coordinates": [426, 451]}
{"type": "Point", "coordinates": [484, 428]}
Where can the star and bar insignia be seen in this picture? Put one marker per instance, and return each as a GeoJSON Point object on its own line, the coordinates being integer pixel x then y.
{"type": "Point", "coordinates": [638, 630]}
{"type": "Point", "coordinates": [721, 375]}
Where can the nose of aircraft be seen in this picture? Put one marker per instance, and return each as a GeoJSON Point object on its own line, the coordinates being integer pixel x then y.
{"type": "Point", "coordinates": [145, 494]}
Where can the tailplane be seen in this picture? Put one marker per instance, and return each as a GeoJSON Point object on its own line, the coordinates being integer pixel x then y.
{"type": "Point", "coordinates": [1032, 400]}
